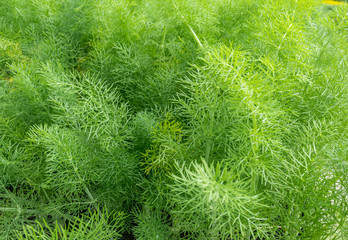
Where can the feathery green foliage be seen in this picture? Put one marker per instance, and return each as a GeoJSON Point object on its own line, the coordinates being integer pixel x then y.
{"type": "Point", "coordinates": [95, 227]}
{"type": "Point", "coordinates": [214, 119]}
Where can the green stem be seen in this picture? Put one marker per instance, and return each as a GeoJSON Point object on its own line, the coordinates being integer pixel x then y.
{"type": "Point", "coordinates": [195, 36]}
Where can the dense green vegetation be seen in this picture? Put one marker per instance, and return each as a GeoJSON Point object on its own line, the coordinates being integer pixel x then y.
{"type": "Point", "coordinates": [173, 119]}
